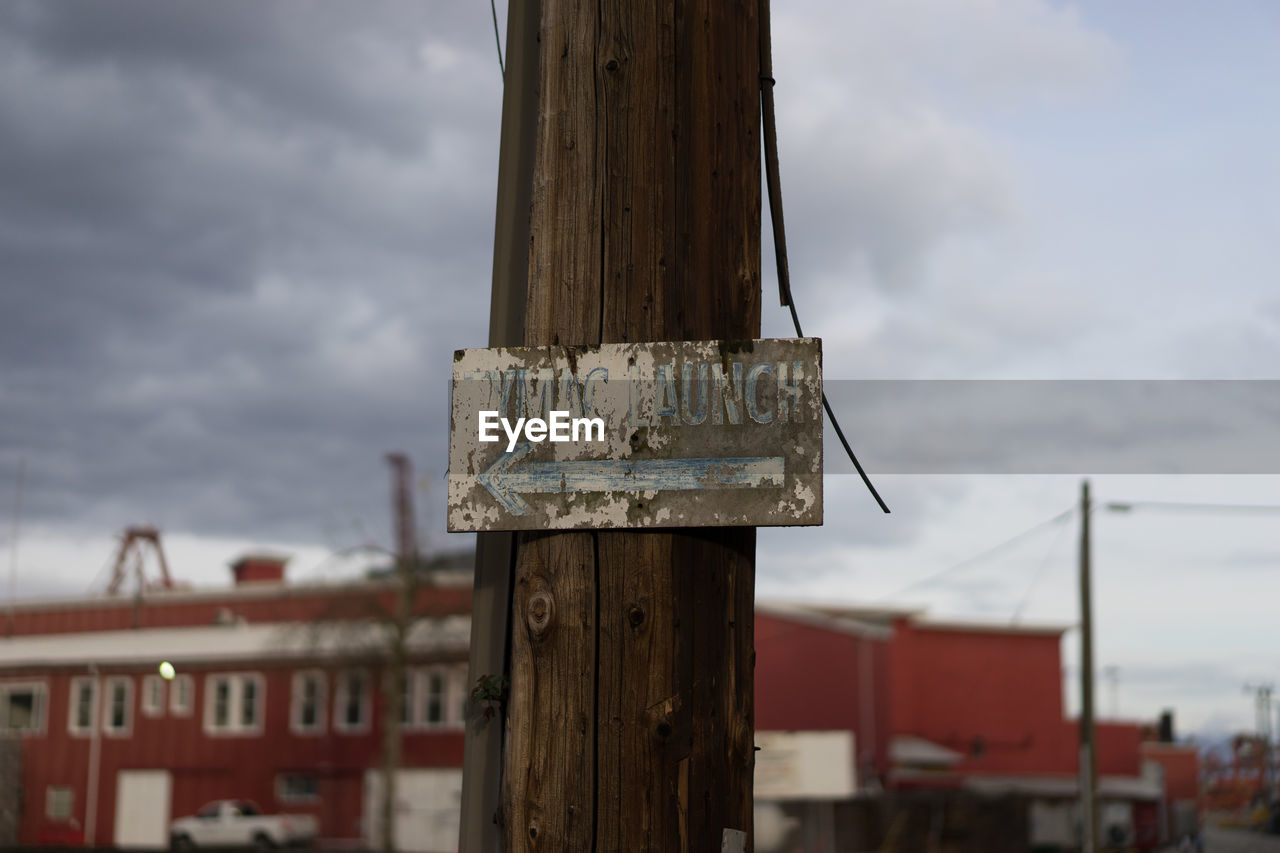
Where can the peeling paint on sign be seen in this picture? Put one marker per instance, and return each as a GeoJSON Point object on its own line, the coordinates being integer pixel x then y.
{"type": "Point", "coordinates": [697, 434]}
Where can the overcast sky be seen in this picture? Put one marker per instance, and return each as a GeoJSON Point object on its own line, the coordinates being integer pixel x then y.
{"type": "Point", "coordinates": [239, 241]}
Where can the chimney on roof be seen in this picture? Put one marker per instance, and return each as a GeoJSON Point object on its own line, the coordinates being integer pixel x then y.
{"type": "Point", "coordinates": [259, 568]}
{"type": "Point", "coordinates": [1166, 726]}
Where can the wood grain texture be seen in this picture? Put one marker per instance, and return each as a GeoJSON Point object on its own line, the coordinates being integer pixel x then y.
{"type": "Point", "coordinates": [549, 774]}
{"type": "Point", "coordinates": [563, 304]}
{"type": "Point", "coordinates": [630, 722]}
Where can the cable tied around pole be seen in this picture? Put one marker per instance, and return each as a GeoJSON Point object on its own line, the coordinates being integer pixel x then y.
{"type": "Point", "coordinates": [493, 8]}
{"type": "Point", "coordinates": [774, 185]}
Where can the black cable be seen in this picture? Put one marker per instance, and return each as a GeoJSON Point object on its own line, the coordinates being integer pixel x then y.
{"type": "Point", "coordinates": [979, 557]}
{"type": "Point", "coordinates": [774, 184]}
{"type": "Point", "coordinates": [1173, 506]}
{"type": "Point", "coordinates": [826, 404]}
{"type": "Point", "coordinates": [493, 7]}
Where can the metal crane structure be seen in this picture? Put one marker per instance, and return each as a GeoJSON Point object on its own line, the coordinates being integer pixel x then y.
{"type": "Point", "coordinates": [402, 505]}
{"type": "Point", "coordinates": [130, 559]}
{"type": "Point", "coordinates": [1262, 697]}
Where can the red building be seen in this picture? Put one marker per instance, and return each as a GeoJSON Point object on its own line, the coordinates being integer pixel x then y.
{"type": "Point", "coordinates": [1184, 798]}
{"type": "Point", "coordinates": [957, 706]}
{"type": "Point", "coordinates": [274, 697]}
{"type": "Point", "coordinates": [819, 672]}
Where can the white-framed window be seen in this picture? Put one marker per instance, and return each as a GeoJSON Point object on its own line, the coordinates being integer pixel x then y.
{"type": "Point", "coordinates": [234, 703]}
{"type": "Point", "coordinates": [438, 697]}
{"type": "Point", "coordinates": [297, 788]}
{"type": "Point", "coordinates": [435, 707]}
{"type": "Point", "coordinates": [117, 706]}
{"type": "Point", "coordinates": [307, 705]}
{"type": "Point", "coordinates": [351, 701]}
{"type": "Point", "coordinates": [82, 705]}
{"type": "Point", "coordinates": [152, 696]}
{"type": "Point", "coordinates": [182, 692]}
{"type": "Point", "coordinates": [22, 706]}
{"type": "Point", "coordinates": [58, 802]}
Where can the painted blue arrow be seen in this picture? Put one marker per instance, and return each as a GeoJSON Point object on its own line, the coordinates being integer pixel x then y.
{"type": "Point", "coordinates": [507, 479]}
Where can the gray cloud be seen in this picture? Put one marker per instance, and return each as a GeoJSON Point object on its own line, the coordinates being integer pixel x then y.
{"type": "Point", "coordinates": [236, 236]}
{"type": "Point", "coordinates": [1199, 677]}
{"type": "Point", "coordinates": [1063, 427]}
{"type": "Point", "coordinates": [877, 161]}
{"type": "Point", "coordinates": [233, 239]}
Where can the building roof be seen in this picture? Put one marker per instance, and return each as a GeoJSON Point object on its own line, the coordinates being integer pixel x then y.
{"type": "Point", "coordinates": [202, 594]}
{"type": "Point", "coordinates": [227, 644]}
{"type": "Point", "coordinates": [1163, 746]}
{"type": "Point", "coordinates": [446, 571]}
{"type": "Point", "coordinates": [877, 619]}
{"type": "Point", "coordinates": [987, 627]}
{"type": "Point", "coordinates": [1120, 787]}
{"type": "Point", "coordinates": [818, 618]}
{"type": "Point", "coordinates": [866, 612]}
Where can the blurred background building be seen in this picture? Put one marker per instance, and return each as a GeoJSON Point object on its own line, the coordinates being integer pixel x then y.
{"type": "Point", "coordinates": [877, 728]}
{"type": "Point", "coordinates": [275, 695]}
{"type": "Point", "coordinates": [955, 733]}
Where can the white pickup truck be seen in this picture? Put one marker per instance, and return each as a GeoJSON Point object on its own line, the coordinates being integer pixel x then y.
{"type": "Point", "coordinates": [240, 823]}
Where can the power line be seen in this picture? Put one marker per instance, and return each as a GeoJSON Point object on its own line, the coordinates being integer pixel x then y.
{"type": "Point", "coordinates": [1065, 514]}
{"type": "Point", "coordinates": [1035, 580]}
{"type": "Point", "coordinates": [493, 7]}
{"type": "Point", "coordinates": [1173, 506]}
{"type": "Point", "coordinates": [774, 183]}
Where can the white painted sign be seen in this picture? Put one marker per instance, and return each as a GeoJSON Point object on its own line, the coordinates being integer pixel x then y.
{"type": "Point", "coordinates": [666, 434]}
{"type": "Point", "coordinates": [811, 765]}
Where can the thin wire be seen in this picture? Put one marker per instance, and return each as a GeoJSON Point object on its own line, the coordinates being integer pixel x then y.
{"type": "Point", "coordinates": [1035, 580]}
{"type": "Point", "coordinates": [773, 182]}
{"type": "Point", "coordinates": [493, 7]}
{"type": "Point", "coordinates": [779, 224]}
{"type": "Point", "coordinates": [1125, 506]}
{"type": "Point", "coordinates": [826, 404]}
{"type": "Point", "coordinates": [982, 556]}
{"type": "Point", "coordinates": [835, 424]}
{"type": "Point", "coordinates": [102, 570]}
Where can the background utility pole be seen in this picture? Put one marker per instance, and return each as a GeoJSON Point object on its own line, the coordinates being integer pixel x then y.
{"type": "Point", "coordinates": [495, 552]}
{"type": "Point", "coordinates": [1262, 700]}
{"type": "Point", "coordinates": [398, 626]}
{"type": "Point", "coordinates": [630, 714]}
{"type": "Point", "coordinates": [1088, 753]}
{"type": "Point", "coordinates": [1112, 675]}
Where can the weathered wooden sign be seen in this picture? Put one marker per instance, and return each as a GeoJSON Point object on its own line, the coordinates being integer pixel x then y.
{"type": "Point", "coordinates": [668, 434]}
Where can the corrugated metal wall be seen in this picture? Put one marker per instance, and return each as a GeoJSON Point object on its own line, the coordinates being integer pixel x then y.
{"type": "Point", "coordinates": [10, 789]}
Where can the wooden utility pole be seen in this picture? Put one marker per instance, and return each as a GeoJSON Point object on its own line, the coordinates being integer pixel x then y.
{"type": "Point", "coordinates": [1088, 750]}
{"type": "Point", "coordinates": [495, 551]}
{"type": "Point", "coordinates": [398, 625]}
{"type": "Point", "coordinates": [630, 715]}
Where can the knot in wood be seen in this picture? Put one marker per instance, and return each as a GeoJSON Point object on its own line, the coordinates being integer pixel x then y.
{"type": "Point", "coordinates": [540, 611]}
{"type": "Point", "coordinates": [611, 65]}
{"type": "Point", "coordinates": [635, 616]}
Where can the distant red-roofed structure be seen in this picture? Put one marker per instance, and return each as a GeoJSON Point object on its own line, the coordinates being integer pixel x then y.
{"type": "Point", "coordinates": [275, 697]}
{"type": "Point", "coordinates": [971, 708]}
